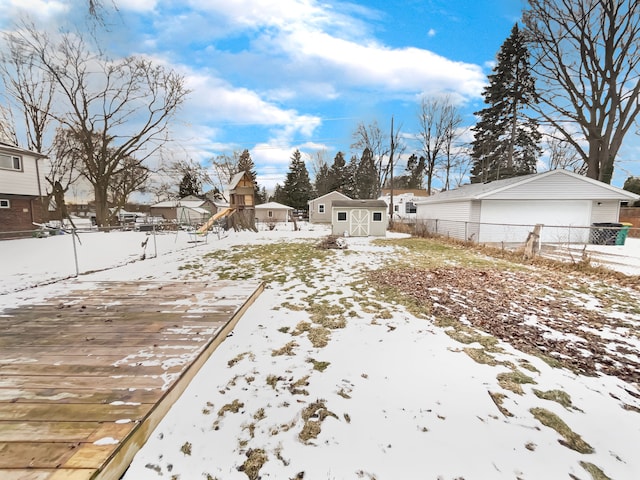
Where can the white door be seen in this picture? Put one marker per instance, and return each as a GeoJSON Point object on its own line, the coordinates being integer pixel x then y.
{"type": "Point", "coordinates": [555, 215]}
{"type": "Point", "coordinates": [359, 222]}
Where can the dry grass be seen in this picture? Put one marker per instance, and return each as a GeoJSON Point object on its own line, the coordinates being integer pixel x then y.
{"type": "Point", "coordinates": [514, 380]}
{"type": "Point", "coordinates": [318, 365]}
{"type": "Point", "coordinates": [286, 350]}
{"type": "Point", "coordinates": [558, 396]}
{"type": "Point", "coordinates": [233, 407]}
{"type": "Point", "coordinates": [596, 473]}
{"type": "Point", "coordinates": [256, 458]}
{"type": "Point", "coordinates": [498, 399]}
{"type": "Point", "coordinates": [570, 439]}
{"type": "Point", "coordinates": [186, 448]}
{"type": "Point", "coordinates": [313, 415]}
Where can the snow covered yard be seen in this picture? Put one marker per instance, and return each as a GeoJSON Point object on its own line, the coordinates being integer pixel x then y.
{"type": "Point", "coordinates": [400, 358]}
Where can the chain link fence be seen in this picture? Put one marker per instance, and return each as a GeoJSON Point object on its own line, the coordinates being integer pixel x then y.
{"type": "Point", "coordinates": [49, 254]}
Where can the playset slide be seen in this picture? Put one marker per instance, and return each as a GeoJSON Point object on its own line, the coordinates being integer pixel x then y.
{"type": "Point", "coordinates": [207, 225]}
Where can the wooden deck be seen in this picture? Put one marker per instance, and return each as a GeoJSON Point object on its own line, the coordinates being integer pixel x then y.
{"type": "Point", "coordinates": [85, 378]}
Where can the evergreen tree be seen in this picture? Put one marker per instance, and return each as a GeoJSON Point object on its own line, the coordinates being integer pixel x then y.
{"type": "Point", "coordinates": [262, 196]}
{"type": "Point", "coordinates": [245, 164]}
{"type": "Point", "coordinates": [339, 177]}
{"type": "Point", "coordinates": [367, 176]}
{"type": "Point", "coordinates": [189, 185]}
{"type": "Point", "coordinates": [415, 169]}
{"type": "Point", "coordinates": [297, 186]}
{"type": "Point", "coordinates": [506, 139]}
{"type": "Point", "coordinates": [278, 195]}
{"type": "Point", "coordinates": [323, 180]}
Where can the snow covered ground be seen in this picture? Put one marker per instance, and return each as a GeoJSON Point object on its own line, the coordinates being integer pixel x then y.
{"type": "Point", "coordinates": [325, 379]}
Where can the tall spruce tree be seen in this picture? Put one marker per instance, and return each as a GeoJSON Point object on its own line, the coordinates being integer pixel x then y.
{"type": "Point", "coordinates": [189, 185]}
{"type": "Point", "coordinates": [367, 176]}
{"type": "Point", "coordinates": [297, 187]}
{"type": "Point", "coordinates": [322, 182]}
{"type": "Point", "coordinates": [245, 164]}
{"type": "Point", "coordinates": [339, 174]}
{"type": "Point", "coordinates": [506, 139]}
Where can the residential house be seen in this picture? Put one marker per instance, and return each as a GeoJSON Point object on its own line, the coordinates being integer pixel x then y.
{"type": "Point", "coordinates": [22, 188]}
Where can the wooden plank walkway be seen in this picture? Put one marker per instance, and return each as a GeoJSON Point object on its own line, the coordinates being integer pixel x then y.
{"type": "Point", "coordinates": [86, 377]}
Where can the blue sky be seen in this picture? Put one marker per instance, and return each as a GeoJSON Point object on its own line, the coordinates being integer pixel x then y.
{"type": "Point", "coordinates": [275, 75]}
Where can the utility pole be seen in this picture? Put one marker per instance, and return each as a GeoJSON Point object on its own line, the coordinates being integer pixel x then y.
{"type": "Point", "coordinates": [391, 176]}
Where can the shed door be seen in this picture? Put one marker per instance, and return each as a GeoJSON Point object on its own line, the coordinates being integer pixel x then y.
{"type": "Point", "coordinates": [359, 222]}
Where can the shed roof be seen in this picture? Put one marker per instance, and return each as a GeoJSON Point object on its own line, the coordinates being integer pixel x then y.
{"type": "Point", "coordinates": [179, 203]}
{"type": "Point", "coordinates": [480, 191]}
{"type": "Point", "coordinates": [359, 203]}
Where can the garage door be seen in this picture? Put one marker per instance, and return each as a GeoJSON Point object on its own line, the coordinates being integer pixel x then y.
{"type": "Point", "coordinates": [531, 212]}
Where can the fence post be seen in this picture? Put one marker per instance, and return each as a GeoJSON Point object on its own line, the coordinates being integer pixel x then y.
{"type": "Point", "coordinates": [75, 250]}
{"type": "Point", "coordinates": [155, 245]}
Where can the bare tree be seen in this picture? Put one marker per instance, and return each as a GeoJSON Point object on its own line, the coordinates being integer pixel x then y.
{"type": "Point", "coordinates": [436, 118]}
{"type": "Point", "coordinates": [372, 138]}
{"type": "Point", "coordinates": [115, 110]}
{"type": "Point", "coordinates": [586, 54]}
{"type": "Point", "coordinates": [7, 126]}
{"type": "Point", "coordinates": [224, 167]}
{"type": "Point", "coordinates": [562, 155]}
{"type": "Point", "coordinates": [451, 119]}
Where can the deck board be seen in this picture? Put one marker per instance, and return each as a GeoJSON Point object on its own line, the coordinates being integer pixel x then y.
{"type": "Point", "coordinates": [86, 376]}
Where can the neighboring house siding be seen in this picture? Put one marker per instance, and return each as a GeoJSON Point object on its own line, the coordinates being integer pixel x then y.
{"type": "Point", "coordinates": [20, 214]}
{"type": "Point", "coordinates": [271, 215]}
{"type": "Point", "coordinates": [168, 213]}
{"type": "Point", "coordinates": [316, 216]}
{"type": "Point", "coordinates": [21, 182]}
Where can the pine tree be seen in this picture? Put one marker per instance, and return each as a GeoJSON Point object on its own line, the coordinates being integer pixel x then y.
{"type": "Point", "coordinates": [322, 182]}
{"type": "Point", "coordinates": [245, 164]}
{"type": "Point", "coordinates": [339, 174]}
{"type": "Point", "coordinates": [506, 139]}
{"type": "Point", "coordinates": [189, 185]}
{"type": "Point", "coordinates": [367, 176]}
{"type": "Point", "coordinates": [297, 186]}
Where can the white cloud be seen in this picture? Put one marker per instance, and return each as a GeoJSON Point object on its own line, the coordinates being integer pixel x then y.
{"type": "Point", "coordinates": [40, 9]}
{"type": "Point", "coordinates": [431, 32]}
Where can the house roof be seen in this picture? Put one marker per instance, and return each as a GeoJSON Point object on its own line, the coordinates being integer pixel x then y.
{"type": "Point", "coordinates": [15, 149]}
{"type": "Point", "coordinates": [183, 202]}
{"type": "Point", "coordinates": [236, 179]}
{"type": "Point", "coordinates": [480, 191]}
{"type": "Point", "coordinates": [333, 193]}
{"type": "Point", "coordinates": [273, 206]}
{"type": "Point", "coordinates": [359, 203]}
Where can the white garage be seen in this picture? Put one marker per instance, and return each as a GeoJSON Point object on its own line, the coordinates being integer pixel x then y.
{"type": "Point", "coordinates": [506, 210]}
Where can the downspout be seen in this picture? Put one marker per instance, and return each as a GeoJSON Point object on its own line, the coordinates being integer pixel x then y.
{"type": "Point", "coordinates": [39, 191]}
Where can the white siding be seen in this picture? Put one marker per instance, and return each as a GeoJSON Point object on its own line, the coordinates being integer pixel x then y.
{"type": "Point", "coordinates": [602, 212]}
{"type": "Point", "coordinates": [25, 182]}
{"type": "Point", "coordinates": [556, 187]}
{"type": "Point", "coordinates": [453, 218]}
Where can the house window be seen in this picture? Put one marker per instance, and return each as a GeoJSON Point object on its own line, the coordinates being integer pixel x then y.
{"type": "Point", "coordinates": [410, 207]}
{"type": "Point", "coordinates": [396, 208]}
{"type": "Point", "coordinates": [342, 216]}
{"type": "Point", "coordinates": [321, 208]}
{"type": "Point", "coordinates": [10, 162]}
{"type": "Point", "coordinates": [377, 216]}
{"type": "Point", "coordinates": [4, 203]}
{"type": "Point", "coordinates": [270, 213]}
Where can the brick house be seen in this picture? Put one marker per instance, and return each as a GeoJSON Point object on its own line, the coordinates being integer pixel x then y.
{"type": "Point", "coordinates": [21, 188]}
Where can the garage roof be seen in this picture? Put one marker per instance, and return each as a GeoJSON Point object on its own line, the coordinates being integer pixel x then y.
{"type": "Point", "coordinates": [359, 203]}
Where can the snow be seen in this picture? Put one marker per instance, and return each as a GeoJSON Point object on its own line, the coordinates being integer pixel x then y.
{"type": "Point", "coordinates": [402, 398]}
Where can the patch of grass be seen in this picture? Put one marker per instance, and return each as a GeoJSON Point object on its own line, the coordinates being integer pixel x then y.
{"type": "Point", "coordinates": [527, 366]}
{"type": "Point", "coordinates": [549, 360]}
{"type": "Point", "coordinates": [498, 399]}
{"type": "Point", "coordinates": [318, 365]}
{"type": "Point", "coordinates": [313, 415]}
{"type": "Point", "coordinates": [596, 473]}
{"type": "Point", "coordinates": [563, 398]}
{"type": "Point", "coordinates": [186, 448]}
{"type": "Point", "coordinates": [480, 355]}
{"type": "Point", "coordinates": [239, 357]}
{"type": "Point", "coordinates": [283, 329]}
{"type": "Point", "coordinates": [233, 407]}
{"type": "Point", "coordinates": [286, 350]}
{"type": "Point", "coordinates": [319, 336]}
{"type": "Point", "coordinates": [259, 415]}
{"type": "Point", "coordinates": [190, 266]}
{"type": "Point", "coordinates": [272, 380]}
{"type": "Point", "coordinates": [296, 387]}
{"type": "Point", "coordinates": [513, 380]}
{"type": "Point", "coordinates": [570, 439]}
{"type": "Point", "coordinates": [256, 458]}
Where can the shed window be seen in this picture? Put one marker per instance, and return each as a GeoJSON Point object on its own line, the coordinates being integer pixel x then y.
{"type": "Point", "coordinates": [321, 208]}
{"type": "Point", "coordinates": [10, 162]}
{"type": "Point", "coordinates": [4, 203]}
{"type": "Point", "coordinates": [342, 216]}
{"type": "Point", "coordinates": [377, 216]}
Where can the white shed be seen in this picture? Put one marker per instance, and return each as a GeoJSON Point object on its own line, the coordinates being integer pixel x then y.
{"type": "Point", "coordinates": [488, 212]}
{"type": "Point", "coordinates": [359, 218]}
